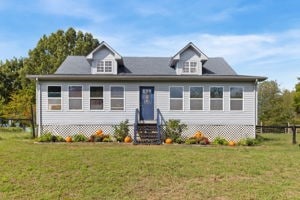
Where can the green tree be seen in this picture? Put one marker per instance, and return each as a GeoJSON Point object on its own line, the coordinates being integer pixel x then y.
{"type": "Point", "coordinates": [52, 50]}
{"type": "Point", "coordinates": [269, 101]}
{"type": "Point", "coordinates": [45, 58]}
{"type": "Point", "coordinates": [287, 113]}
{"type": "Point", "coordinates": [19, 106]}
{"type": "Point", "coordinates": [297, 97]}
{"type": "Point", "coordinates": [10, 77]}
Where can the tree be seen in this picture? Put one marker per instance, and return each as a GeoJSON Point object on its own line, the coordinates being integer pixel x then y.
{"type": "Point", "coordinates": [288, 113]}
{"type": "Point", "coordinates": [45, 58]}
{"type": "Point", "coordinates": [52, 50]}
{"type": "Point", "coordinates": [275, 107]}
{"type": "Point", "coordinates": [10, 78]}
{"type": "Point", "coordinates": [19, 106]}
{"type": "Point", "coordinates": [297, 97]}
{"type": "Point", "coordinates": [268, 102]}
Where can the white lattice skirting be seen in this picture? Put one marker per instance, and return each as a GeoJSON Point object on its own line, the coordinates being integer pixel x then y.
{"type": "Point", "coordinates": [229, 132]}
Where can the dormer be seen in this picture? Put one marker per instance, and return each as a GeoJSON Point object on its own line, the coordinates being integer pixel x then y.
{"type": "Point", "coordinates": [189, 60]}
{"type": "Point", "coordinates": [104, 59]}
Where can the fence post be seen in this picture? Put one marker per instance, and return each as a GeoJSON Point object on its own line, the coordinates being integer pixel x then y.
{"type": "Point", "coordinates": [32, 121]}
{"type": "Point", "coordinates": [261, 127]}
{"type": "Point", "coordinates": [294, 134]}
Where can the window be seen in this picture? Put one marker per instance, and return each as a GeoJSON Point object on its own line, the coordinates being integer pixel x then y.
{"type": "Point", "coordinates": [236, 98]}
{"type": "Point", "coordinates": [196, 98]}
{"type": "Point", "coordinates": [104, 66]}
{"type": "Point", "coordinates": [176, 98]}
{"type": "Point", "coordinates": [117, 98]}
{"type": "Point", "coordinates": [190, 67]}
{"type": "Point", "coordinates": [216, 98]}
{"type": "Point", "coordinates": [75, 97]}
{"type": "Point", "coordinates": [54, 97]}
{"type": "Point", "coordinates": [96, 98]}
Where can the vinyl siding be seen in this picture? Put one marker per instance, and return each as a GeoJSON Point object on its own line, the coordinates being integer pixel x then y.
{"type": "Point", "coordinates": [161, 101]}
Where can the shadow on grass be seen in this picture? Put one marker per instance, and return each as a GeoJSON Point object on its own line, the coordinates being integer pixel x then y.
{"type": "Point", "coordinates": [266, 138]}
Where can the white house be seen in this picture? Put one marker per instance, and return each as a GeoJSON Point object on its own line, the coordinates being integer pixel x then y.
{"type": "Point", "coordinates": [104, 88]}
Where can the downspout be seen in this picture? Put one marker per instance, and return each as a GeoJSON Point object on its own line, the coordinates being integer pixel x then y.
{"type": "Point", "coordinates": [256, 106]}
{"type": "Point", "coordinates": [39, 100]}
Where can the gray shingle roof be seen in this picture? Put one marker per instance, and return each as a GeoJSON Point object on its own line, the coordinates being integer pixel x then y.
{"type": "Point", "coordinates": [146, 65]}
{"type": "Point", "coordinates": [143, 66]}
{"type": "Point", "coordinates": [217, 66]}
{"type": "Point", "coordinates": [74, 65]}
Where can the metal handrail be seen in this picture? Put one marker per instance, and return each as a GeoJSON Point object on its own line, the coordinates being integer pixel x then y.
{"type": "Point", "coordinates": [160, 122]}
{"type": "Point", "coordinates": [135, 125]}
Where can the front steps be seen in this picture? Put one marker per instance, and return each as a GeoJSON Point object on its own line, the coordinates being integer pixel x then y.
{"type": "Point", "coordinates": [147, 133]}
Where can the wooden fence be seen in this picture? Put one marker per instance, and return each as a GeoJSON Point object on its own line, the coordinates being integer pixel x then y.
{"type": "Point", "coordinates": [280, 129]}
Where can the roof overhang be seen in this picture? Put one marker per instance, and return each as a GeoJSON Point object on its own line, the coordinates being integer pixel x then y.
{"type": "Point", "coordinates": [157, 78]}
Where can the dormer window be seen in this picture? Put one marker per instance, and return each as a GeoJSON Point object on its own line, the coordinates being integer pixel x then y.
{"type": "Point", "coordinates": [104, 66]}
{"type": "Point", "coordinates": [189, 67]}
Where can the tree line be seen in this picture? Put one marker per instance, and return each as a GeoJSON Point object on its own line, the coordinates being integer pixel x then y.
{"type": "Point", "coordinates": [17, 93]}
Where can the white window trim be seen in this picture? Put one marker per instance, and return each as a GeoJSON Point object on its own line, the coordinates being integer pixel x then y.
{"type": "Point", "coordinates": [104, 72]}
{"type": "Point", "coordinates": [216, 99]}
{"type": "Point", "coordinates": [61, 99]}
{"type": "Point", "coordinates": [243, 99]}
{"type": "Point", "coordinates": [95, 110]}
{"type": "Point", "coordinates": [189, 72]}
{"type": "Point", "coordinates": [176, 98]}
{"type": "Point", "coordinates": [124, 101]}
{"type": "Point", "coordinates": [196, 98]}
{"type": "Point", "coordinates": [74, 110]}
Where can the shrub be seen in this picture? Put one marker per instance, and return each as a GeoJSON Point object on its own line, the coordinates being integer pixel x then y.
{"type": "Point", "coordinates": [220, 141]}
{"type": "Point", "coordinates": [248, 142]}
{"type": "Point", "coordinates": [191, 140]}
{"type": "Point", "coordinates": [121, 130]}
{"type": "Point", "coordinates": [174, 129]}
{"type": "Point", "coordinates": [60, 139]}
{"type": "Point", "coordinates": [180, 140]}
{"type": "Point", "coordinates": [107, 139]}
{"type": "Point", "coordinates": [79, 138]}
{"type": "Point", "coordinates": [47, 137]}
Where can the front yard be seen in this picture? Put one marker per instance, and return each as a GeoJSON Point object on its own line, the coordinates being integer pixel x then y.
{"type": "Point", "coordinates": [125, 171]}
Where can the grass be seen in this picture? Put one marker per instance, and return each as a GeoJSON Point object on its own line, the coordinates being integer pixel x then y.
{"type": "Point", "coordinates": [122, 171]}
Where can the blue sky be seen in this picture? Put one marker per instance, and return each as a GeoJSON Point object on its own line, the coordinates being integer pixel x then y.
{"type": "Point", "coordinates": [258, 37]}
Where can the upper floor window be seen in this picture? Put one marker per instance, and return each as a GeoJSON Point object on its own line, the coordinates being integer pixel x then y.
{"type": "Point", "coordinates": [216, 98]}
{"type": "Point", "coordinates": [189, 67]}
{"type": "Point", "coordinates": [236, 98]}
{"type": "Point", "coordinates": [54, 97]}
{"type": "Point", "coordinates": [104, 66]}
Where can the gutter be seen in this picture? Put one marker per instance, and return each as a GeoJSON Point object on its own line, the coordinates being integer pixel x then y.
{"type": "Point", "coordinates": [157, 78]}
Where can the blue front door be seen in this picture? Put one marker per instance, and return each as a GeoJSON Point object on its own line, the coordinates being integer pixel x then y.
{"type": "Point", "coordinates": [146, 103]}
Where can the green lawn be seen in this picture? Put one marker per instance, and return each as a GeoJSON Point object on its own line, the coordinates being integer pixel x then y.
{"type": "Point", "coordinates": [122, 171]}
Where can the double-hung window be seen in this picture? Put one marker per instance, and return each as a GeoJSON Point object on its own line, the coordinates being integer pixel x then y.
{"type": "Point", "coordinates": [104, 66]}
{"type": "Point", "coordinates": [216, 98]}
{"type": "Point", "coordinates": [196, 98]}
{"type": "Point", "coordinates": [189, 67]}
{"type": "Point", "coordinates": [54, 97]}
{"type": "Point", "coordinates": [75, 97]}
{"type": "Point", "coordinates": [236, 98]}
{"type": "Point", "coordinates": [176, 98]}
{"type": "Point", "coordinates": [117, 97]}
{"type": "Point", "coordinates": [96, 97]}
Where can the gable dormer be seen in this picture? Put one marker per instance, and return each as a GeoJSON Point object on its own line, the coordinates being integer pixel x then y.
{"type": "Point", "coordinates": [189, 60]}
{"type": "Point", "coordinates": [104, 59]}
